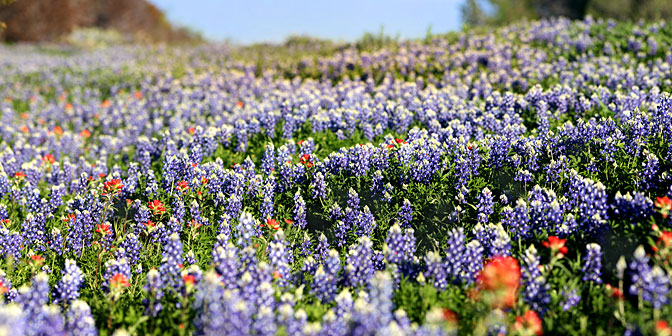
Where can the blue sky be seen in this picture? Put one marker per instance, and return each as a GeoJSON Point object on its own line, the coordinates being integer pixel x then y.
{"type": "Point", "coordinates": [249, 21]}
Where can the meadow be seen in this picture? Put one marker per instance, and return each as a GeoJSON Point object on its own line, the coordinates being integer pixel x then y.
{"type": "Point", "coordinates": [490, 182]}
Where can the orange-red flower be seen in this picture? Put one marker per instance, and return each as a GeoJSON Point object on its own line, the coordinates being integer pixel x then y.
{"type": "Point", "coordinates": [528, 324]}
{"type": "Point", "coordinates": [37, 259]}
{"type": "Point", "coordinates": [615, 292]}
{"type": "Point", "coordinates": [556, 244]}
{"type": "Point", "coordinates": [663, 329]}
{"type": "Point", "coordinates": [112, 187]}
{"type": "Point", "coordinates": [182, 186]}
{"type": "Point", "coordinates": [49, 159]}
{"type": "Point", "coordinates": [273, 224]}
{"type": "Point", "coordinates": [499, 281]}
{"type": "Point", "coordinates": [19, 175]}
{"type": "Point", "coordinates": [119, 281]}
{"type": "Point", "coordinates": [85, 133]}
{"type": "Point", "coordinates": [664, 204]}
{"type": "Point", "coordinates": [449, 315]}
{"type": "Point", "coordinates": [189, 279]}
{"type": "Point", "coordinates": [664, 241]}
{"type": "Point", "coordinates": [103, 229]}
{"type": "Point", "coordinates": [157, 207]}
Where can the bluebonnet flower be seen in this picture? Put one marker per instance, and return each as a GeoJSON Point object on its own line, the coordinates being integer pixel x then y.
{"type": "Point", "coordinates": [472, 262]}
{"type": "Point", "coordinates": [56, 241]}
{"type": "Point", "coordinates": [399, 246]}
{"type": "Point", "coordinates": [496, 240]}
{"type": "Point", "coordinates": [131, 245]}
{"type": "Point", "coordinates": [571, 298]}
{"type": "Point", "coordinates": [322, 249]}
{"type": "Point", "coordinates": [34, 298]}
{"type": "Point", "coordinates": [319, 186]}
{"type": "Point", "coordinates": [304, 247]}
{"type": "Point", "coordinates": [517, 219]}
{"type": "Point", "coordinates": [325, 280]}
{"type": "Point", "coordinates": [279, 258]}
{"type": "Point", "coordinates": [67, 288]}
{"type": "Point", "coordinates": [485, 205]}
{"type": "Point", "coordinates": [113, 267]}
{"type": "Point", "coordinates": [359, 263]}
{"type": "Point", "coordinates": [220, 311]}
{"type": "Point", "coordinates": [154, 289]}
{"type": "Point", "coordinates": [592, 263]}
{"type": "Point", "coordinates": [266, 207]}
{"type": "Point", "coordinates": [226, 263]}
{"type": "Point", "coordinates": [79, 321]}
{"type": "Point", "coordinates": [245, 230]}
{"type": "Point", "coordinates": [405, 215]}
{"type": "Point", "coordinates": [171, 263]}
{"type": "Point", "coordinates": [299, 211]}
{"type": "Point", "coordinates": [435, 270]}
{"type": "Point", "coordinates": [656, 287]}
{"type": "Point", "coordinates": [634, 208]}
{"type": "Point", "coordinates": [455, 247]}
{"type": "Point", "coordinates": [649, 170]}
{"type": "Point", "coordinates": [535, 289]}
{"type": "Point", "coordinates": [268, 160]}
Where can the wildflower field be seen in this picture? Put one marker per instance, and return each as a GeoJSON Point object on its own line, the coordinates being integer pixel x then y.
{"type": "Point", "coordinates": [515, 181]}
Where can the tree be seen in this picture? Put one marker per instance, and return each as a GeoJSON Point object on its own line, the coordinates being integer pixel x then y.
{"type": "Point", "coordinates": [473, 14]}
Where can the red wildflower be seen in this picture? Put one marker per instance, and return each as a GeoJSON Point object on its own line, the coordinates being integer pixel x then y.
{"type": "Point", "coordinates": [149, 224]}
{"type": "Point", "coordinates": [85, 133]}
{"type": "Point", "coordinates": [499, 280]}
{"type": "Point", "coordinates": [399, 140]}
{"type": "Point", "coordinates": [182, 185]}
{"type": "Point", "coordinates": [664, 241]}
{"type": "Point", "coordinates": [204, 180]}
{"type": "Point", "coordinates": [19, 175]}
{"type": "Point", "coordinates": [119, 281]}
{"type": "Point", "coordinates": [528, 324]}
{"type": "Point", "coordinates": [289, 221]}
{"type": "Point", "coordinates": [556, 244]}
{"type": "Point", "coordinates": [240, 104]}
{"type": "Point", "coordinates": [37, 259]}
{"type": "Point", "coordinates": [58, 130]}
{"type": "Point", "coordinates": [103, 229]}
{"type": "Point", "coordinates": [3, 289]}
{"type": "Point", "coordinates": [112, 187]}
{"type": "Point", "coordinates": [157, 207]}
{"type": "Point", "coordinates": [449, 316]}
{"type": "Point", "coordinates": [49, 159]}
{"type": "Point", "coordinates": [663, 329]}
{"type": "Point", "coordinates": [273, 224]}
{"type": "Point", "coordinates": [138, 95]}
{"type": "Point", "coordinates": [664, 204]}
{"type": "Point", "coordinates": [276, 275]}
{"type": "Point", "coordinates": [191, 130]}
{"type": "Point", "coordinates": [189, 279]}
{"type": "Point", "coordinates": [301, 142]}
{"type": "Point", "coordinates": [615, 292]}
{"type": "Point", "coordinates": [105, 103]}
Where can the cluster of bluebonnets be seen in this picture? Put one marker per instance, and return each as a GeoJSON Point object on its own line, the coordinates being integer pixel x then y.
{"type": "Point", "coordinates": [516, 181]}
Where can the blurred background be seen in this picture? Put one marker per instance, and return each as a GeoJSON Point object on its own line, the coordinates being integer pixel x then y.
{"type": "Point", "coordinates": [273, 21]}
